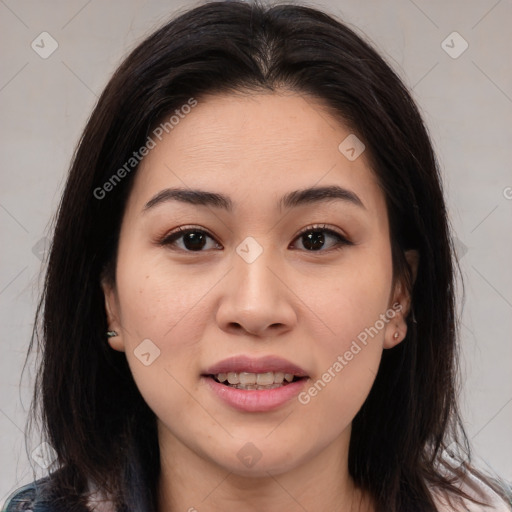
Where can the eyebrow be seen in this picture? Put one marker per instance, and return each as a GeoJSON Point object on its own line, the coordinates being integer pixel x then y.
{"type": "Point", "coordinates": [320, 194]}
{"type": "Point", "coordinates": [289, 200]}
{"type": "Point", "coordinates": [190, 196]}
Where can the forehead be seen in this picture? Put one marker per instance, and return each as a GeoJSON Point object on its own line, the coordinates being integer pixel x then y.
{"type": "Point", "coordinates": [255, 145]}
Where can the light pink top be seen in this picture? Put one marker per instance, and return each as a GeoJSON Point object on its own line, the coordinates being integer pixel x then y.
{"type": "Point", "coordinates": [476, 488]}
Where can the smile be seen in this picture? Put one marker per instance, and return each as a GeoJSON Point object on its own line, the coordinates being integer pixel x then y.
{"type": "Point", "coordinates": [258, 381]}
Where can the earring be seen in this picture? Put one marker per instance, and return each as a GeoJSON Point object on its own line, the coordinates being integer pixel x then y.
{"type": "Point", "coordinates": [112, 334]}
{"type": "Point", "coordinates": [396, 335]}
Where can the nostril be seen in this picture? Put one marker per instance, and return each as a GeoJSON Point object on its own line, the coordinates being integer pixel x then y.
{"type": "Point", "coordinates": [235, 327]}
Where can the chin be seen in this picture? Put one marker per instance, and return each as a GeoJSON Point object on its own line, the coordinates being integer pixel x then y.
{"type": "Point", "coordinates": [257, 459]}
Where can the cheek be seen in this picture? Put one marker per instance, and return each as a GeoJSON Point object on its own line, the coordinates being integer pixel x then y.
{"type": "Point", "coordinates": [159, 304]}
{"type": "Point", "coordinates": [352, 304]}
{"type": "Point", "coordinates": [163, 306]}
{"type": "Point", "coordinates": [351, 301]}
{"type": "Point", "coordinates": [157, 301]}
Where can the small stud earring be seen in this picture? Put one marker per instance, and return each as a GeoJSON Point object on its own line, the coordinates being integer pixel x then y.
{"type": "Point", "coordinates": [112, 334]}
{"type": "Point", "coordinates": [396, 335]}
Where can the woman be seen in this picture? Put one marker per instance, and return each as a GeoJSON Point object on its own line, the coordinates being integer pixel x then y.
{"type": "Point", "coordinates": [250, 294]}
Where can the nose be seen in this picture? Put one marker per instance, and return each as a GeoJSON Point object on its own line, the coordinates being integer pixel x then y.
{"type": "Point", "coordinates": [255, 300]}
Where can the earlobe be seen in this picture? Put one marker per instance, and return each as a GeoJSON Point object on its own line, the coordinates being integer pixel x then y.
{"type": "Point", "coordinates": [114, 335]}
{"type": "Point", "coordinates": [395, 334]}
{"type": "Point", "coordinates": [115, 341]}
{"type": "Point", "coordinates": [396, 330]}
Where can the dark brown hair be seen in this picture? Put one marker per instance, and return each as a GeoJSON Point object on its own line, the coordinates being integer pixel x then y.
{"type": "Point", "coordinates": [92, 412]}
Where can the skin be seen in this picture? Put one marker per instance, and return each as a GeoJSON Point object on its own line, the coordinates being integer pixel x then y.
{"type": "Point", "coordinates": [306, 306]}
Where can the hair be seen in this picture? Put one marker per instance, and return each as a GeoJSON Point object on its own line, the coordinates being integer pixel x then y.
{"type": "Point", "coordinates": [90, 408]}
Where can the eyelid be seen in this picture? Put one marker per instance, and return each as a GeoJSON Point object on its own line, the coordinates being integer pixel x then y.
{"type": "Point", "coordinates": [326, 228]}
{"type": "Point", "coordinates": [181, 230]}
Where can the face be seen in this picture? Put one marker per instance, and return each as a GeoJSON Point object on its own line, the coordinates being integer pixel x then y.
{"type": "Point", "coordinates": [253, 248]}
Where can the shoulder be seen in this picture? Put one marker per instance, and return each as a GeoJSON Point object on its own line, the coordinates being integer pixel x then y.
{"type": "Point", "coordinates": [23, 498]}
{"type": "Point", "coordinates": [496, 495]}
{"type": "Point", "coordinates": [38, 496]}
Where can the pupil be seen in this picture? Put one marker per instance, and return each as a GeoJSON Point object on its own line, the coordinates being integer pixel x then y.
{"type": "Point", "coordinates": [314, 240]}
{"type": "Point", "coordinates": [194, 241]}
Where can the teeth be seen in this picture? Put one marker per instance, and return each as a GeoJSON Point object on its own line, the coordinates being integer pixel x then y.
{"type": "Point", "coordinates": [265, 379]}
{"type": "Point", "coordinates": [233, 378]}
{"type": "Point", "coordinates": [278, 377]}
{"type": "Point", "coordinates": [255, 386]}
{"type": "Point", "coordinates": [246, 380]}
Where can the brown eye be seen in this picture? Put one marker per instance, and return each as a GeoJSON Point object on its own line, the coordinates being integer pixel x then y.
{"type": "Point", "coordinates": [319, 239]}
{"type": "Point", "coordinates": [191, 240]}
{"type": "Point", "coordinates": [194, 241]}
{"type": "Point", "coordinates": [314, 240]}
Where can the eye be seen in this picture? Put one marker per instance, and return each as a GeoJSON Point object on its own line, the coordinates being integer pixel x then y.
{"type": "Point", "coordinates": [190, 239]}
{"type": "Point", "coordinates": [321, 239]}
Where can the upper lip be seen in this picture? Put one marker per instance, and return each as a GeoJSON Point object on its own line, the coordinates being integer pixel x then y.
{"type": "Point", "coordinates": [242, 363]}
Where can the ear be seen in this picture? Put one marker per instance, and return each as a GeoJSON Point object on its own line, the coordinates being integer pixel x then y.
{"type": "Point", "coordinates": [112, 311]}
{"type": "Point", "coordinates": [396, 329]}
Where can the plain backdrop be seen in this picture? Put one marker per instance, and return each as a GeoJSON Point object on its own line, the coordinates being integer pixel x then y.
{"type": "Point", "coordinates": [462, 83]}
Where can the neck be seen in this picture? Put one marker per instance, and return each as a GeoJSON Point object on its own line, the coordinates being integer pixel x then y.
{"type": "Point", "coordinates": [189, 482]}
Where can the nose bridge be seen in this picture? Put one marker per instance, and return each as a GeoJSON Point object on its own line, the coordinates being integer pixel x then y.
{"type": "Point", "coordinates": [254, 298]}
{"type": "Point", "coordinates": [251, 268]}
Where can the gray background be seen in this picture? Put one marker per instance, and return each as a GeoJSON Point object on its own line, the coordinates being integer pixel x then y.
{"type": "Point", "coordinates": [466, 102]}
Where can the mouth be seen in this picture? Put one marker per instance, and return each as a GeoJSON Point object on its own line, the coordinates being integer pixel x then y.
{"type": "Point", "coordinates": [255, 381]}
{"type": "Point", "coordinates": [255, 384]}
{"type": "Point", "coordinates": [249, 373]}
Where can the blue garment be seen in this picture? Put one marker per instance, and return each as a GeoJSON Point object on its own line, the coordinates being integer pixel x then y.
{"type": "Point", "coordinates": [33, 497]}
{"type": "Point", "coordinates": [24, 498]}
{"type": "Point", "coordinates": [39, 496]}
{"type": "Point", "coordinates": [30, 498]}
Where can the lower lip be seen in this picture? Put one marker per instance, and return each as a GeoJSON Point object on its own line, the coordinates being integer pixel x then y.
{"type": "Point", "coordinates": [255, 400]}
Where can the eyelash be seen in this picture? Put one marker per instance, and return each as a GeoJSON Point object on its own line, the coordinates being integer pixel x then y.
{"type": "Point", "coordinates": [170, 238]}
